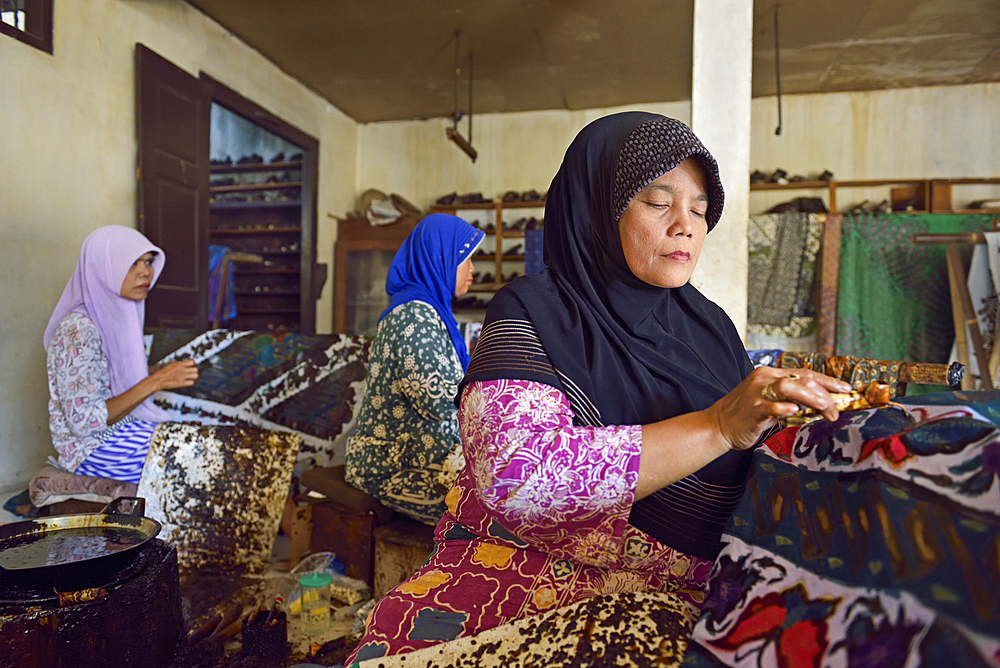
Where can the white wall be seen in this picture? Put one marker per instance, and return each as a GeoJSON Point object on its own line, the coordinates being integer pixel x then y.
{"type": "Point", "coordinates": [938, 132]}
{"type": "Point", "coordinates": [949, 131]}
{"type": "Point", "coordinates": [67, 166]}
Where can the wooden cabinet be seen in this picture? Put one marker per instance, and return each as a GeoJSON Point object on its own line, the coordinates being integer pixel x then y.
{"type": "Point", "coordinates": [502, 253]}
{"type": "Point", "coordinates": [257, 209]}
{"type": "Point", "coordinates": [363, 254]}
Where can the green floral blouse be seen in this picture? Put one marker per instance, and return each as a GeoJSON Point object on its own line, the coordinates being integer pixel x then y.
{"type": "Point", "coordinates": [406, 450]}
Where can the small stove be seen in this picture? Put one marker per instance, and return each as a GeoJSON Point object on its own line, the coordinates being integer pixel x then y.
{"type": "Point", "coordinates": [132, 618]}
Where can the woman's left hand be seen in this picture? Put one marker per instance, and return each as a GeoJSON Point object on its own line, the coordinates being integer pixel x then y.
{"type": "Point", "coordinates": [769, 394]}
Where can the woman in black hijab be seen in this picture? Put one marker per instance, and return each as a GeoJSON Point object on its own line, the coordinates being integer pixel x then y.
{"type": "Point", "coordinates": [609, 408]}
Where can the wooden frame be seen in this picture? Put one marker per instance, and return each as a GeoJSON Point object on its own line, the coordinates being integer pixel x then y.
{"type": "Point", "coordinates": [37, 25]}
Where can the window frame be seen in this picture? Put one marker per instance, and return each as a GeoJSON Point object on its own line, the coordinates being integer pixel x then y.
{"type": "Point", "coordinates": [37, 24]}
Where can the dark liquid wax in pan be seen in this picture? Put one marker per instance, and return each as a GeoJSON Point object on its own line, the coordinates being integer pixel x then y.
{"type": "Point", "coordinates": [66, 545]}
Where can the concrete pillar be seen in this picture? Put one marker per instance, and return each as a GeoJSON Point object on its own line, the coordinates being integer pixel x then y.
{"type": "Point", "coordinates": [720, 116]}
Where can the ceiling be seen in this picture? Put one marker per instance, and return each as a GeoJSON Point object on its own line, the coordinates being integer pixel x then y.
{"type": "Point", "coordinates": [380, 60]}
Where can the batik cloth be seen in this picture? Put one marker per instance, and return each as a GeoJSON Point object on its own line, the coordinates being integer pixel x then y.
{"type": "Point", "coordinates": [783, 250]}
{"type": "Point", "coordinates": [79, 388]}
{"type": "Point", "coordinates": [868, 541]}
{"type": "Point", "coordinates": [893, 301]}
{"type": "Point", "coordinates": [406, 450]}
{"type": "Point", "coordinates": [568, 490]}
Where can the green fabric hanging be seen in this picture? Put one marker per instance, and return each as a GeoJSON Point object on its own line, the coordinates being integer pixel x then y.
{"type": "Point", "coordinates": [893, 300]}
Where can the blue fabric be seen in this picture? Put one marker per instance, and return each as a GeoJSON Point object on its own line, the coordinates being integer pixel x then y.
{"type": "Point", "coordinates": [122, 453]}
{"type": "Point", "coordinates": [425, 266]}
{"type": "Point", "coordinates": [215, 255]}
{"type": "Point", "coordinates": [533, 258]}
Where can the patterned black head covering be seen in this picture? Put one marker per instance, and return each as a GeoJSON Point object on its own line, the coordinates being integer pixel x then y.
{"type": "Point", "coordinates": [624, 351]}
{"type": "Point", "coordinates": [653, 149]}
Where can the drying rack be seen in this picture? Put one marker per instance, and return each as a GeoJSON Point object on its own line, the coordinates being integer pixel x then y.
{"type": "Point", "coordinates": [962, 310]}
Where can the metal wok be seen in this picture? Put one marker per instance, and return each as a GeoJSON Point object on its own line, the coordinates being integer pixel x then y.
{"type": "Point", "coordinates": [74, 552]}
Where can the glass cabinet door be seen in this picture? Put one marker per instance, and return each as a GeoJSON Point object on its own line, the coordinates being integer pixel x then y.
{"type": "Point", "coordinates": [366, 271]}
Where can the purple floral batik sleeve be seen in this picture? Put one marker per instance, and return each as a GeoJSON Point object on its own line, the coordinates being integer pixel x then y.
{"type": "Point", "coordinates": [565, 489]}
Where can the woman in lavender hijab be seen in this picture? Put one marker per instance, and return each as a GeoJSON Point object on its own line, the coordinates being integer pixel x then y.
{"type": "Point", "coordinates": [101, 415]}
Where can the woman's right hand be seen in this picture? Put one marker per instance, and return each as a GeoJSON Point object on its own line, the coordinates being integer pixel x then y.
{"type": "Point", "coordinates": [175, 374]}
{"type": "Point", "coordinates": [747, 412]}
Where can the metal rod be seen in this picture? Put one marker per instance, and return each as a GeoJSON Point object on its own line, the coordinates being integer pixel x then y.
{"type": "Point", "coordinates": [470, 98]}
{"type": "Point", "coordinates": [458, 71]}
{"type": "Point", "coordinates": [955, 238]}
{"type": "Point", "coordinates": [777, 67]}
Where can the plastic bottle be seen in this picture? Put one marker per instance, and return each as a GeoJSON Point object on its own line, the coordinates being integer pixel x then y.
{"type": "Point", "coordinates": [315, 603]}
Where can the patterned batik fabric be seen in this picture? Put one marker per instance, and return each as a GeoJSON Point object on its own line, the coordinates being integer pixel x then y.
{"type": "Point", "coordinates": [79, 387]}
{"type": "Point", "coordinates": [308, 384]}
{"type": "Point", "coordinates": [868, 541]}
{"type": "Point", "coordinates": [537, 520]}
{"type": "Point", "coordinates": [893, 301]}
{"type": "Point", "coordinates": [783, 250]}
{"type": "Point", "coordinates": [406, 450]}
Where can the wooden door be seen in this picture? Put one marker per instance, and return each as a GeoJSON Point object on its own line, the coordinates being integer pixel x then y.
{"type": "Point", "coordinates": [173, 127]}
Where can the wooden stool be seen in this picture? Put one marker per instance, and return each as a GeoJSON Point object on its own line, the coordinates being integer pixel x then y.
{"type": "Point", "coordinates": [401, 547]}
{"type": "Point", "coordinates": [343, 522]}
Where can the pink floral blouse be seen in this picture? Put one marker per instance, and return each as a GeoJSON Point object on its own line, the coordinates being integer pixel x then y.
{"type": "Point", "coordinates": [538, 519]}
{"type": "Point", "coordinates": [79, 387]}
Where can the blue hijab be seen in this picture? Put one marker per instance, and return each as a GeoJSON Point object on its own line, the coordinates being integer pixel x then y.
{"type": "Point", "coordinates": [425, 266]}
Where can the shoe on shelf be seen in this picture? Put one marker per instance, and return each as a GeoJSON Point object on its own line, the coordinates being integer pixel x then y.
{"type": "Point", "coordinates": [512, 251]}
{"type": "Point", "coordinates": [798, 178]}
{"type": "Point", "coordinates": [445, 200]}
{"type": "Point", "coordinates": [511, 196]}
{"type": "Point", "coordinates": [779, 176]}
{"type": "Point", "coordinates": [757, 176]}
{"type": "Point", "coordinates": [473, 198]}
{"type": "Point", "coordinates": [482, 253]}
{"type": "Point", "coordinates": [827, 175]}
{"type": "Point", "coordinates": [280, 157]}
{"type": "Point", "coordinates": [487, 278]}
{"type": "Point", "coordinates": [295, 157]}
{"type": "Point", "coordinates": [530, 196]}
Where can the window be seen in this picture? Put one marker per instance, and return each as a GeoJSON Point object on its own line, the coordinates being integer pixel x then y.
{"type": "Point", "coordinates": [29, 21]}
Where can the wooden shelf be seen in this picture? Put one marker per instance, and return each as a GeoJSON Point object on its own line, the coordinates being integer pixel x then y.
{"type": "Point", "coordinates": [267, 293]}
{"type": "Point", "coordinates": [935, 193]}
{"type": "Point", "coordinates": [268, 311]}
{"type": "Point", "coordinates": [247, 271]}
{"type": "Point", "coordinates": [290, 203]}
{"type": "Point", "coordinates": [256, 230]}
{"type": "Point", "coordinates": [255, 167]}
{"type": "Point", "coordinates": [255, 187]}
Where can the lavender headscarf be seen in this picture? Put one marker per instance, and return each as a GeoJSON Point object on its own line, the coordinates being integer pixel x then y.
{"type": "Point", "coordinates": [94, 290]}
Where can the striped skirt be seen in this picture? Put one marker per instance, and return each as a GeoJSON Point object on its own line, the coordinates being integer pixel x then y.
{"type": "Point", "coordinates": [122, 451]}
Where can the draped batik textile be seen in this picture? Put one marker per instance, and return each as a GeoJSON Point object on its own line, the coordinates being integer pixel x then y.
{"type": "Point", "coordinates": [893, 301]}
{"type": "Point", "coordinates": [869, 541]}
{"type": "Point", "coordinates": [783, 250]}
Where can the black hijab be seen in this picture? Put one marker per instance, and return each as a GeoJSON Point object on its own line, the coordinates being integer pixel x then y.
{"type": "Point", "coordinates": [623, 351]}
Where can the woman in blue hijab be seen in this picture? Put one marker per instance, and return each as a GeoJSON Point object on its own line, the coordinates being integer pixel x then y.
{"type": "Point", "coordinates": [407, 451]}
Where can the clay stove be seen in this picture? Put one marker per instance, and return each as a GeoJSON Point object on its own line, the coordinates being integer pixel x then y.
{"type": "Point", "coordinates": [136, 621]}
